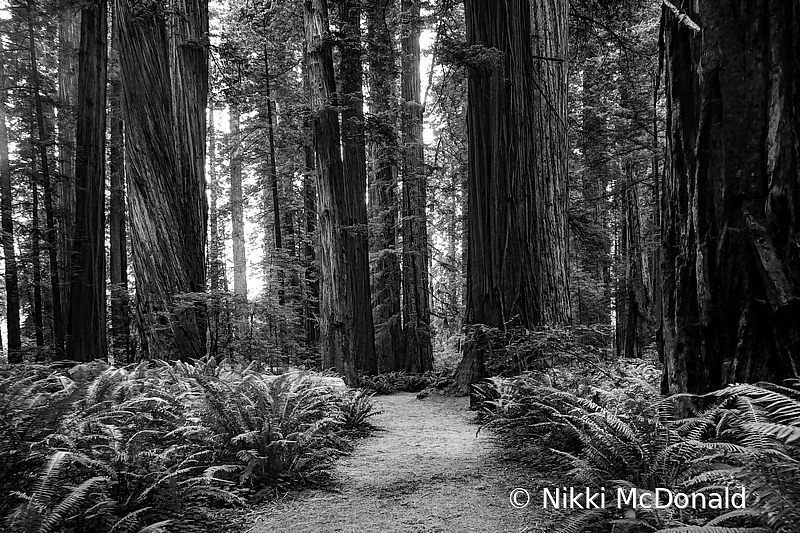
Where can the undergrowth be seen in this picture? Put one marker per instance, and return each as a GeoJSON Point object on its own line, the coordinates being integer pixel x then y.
{"type": "Point", "coordinates": [615, 431]}
{"type": "Point", "coordinates": [97, 448]}
{"type": "Point", "coordinates": [391, 382]}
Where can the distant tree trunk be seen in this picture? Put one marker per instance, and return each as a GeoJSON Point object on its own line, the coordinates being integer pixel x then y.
{"type": "Point", "coordinates": [354, 161]}
{"type": "Point", "coordinates": [311, 307]}
{"type": "Point", "coordinates": [633, 300]}
{"type": "Point", "coordinates": [64, 187]}
{"type": "Point", "coordinates": [120, 306]}
{"type": "Point", "coordinates": [273, 179]}
{"type": "Point", "coordinates": [7, 212]}
{"type": "Point", "coordinates": [52, 240]}
{"type": "Point", "coordinates": [383, 200]}
{"type": "Point", "coordinates": [164, 64]}
{"type": "Point", "coordinates": [215, 264]}
{"type": "Point", "coordinates": [550, 45]}
{"type": "Point", "coordinates": [237, 205]}
{"type": "Point", "coordinates": [87, 316]}
{"type": "Point", "coordinates": [594, 255]}
{"type": "Point", "coordinates": [345, 336]}
{"type": "Point", "coordinates": [418, 350]}
{"type": "Point", "coordinates": [731, 224]}
{"type": "Point", "coordinates": [36, 252]}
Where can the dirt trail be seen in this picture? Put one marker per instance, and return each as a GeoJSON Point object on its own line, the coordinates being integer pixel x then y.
{"type": "Point", "coordinates": [423, 472]}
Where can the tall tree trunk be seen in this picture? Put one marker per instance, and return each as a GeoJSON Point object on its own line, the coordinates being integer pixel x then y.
{"type": "Point", "coordinates": [87, 316]}
{"type": "Point", "coordinates": [383, 199]}
{"type": "Point", "coordinates": [354, 161]}
{"type": "Point", "coordinates": [550, 47]}
{"type": "Point", "coordinates": [594, 255]}
{"type": "Point", "coordinates": [7, 218]}
{"type": "Point", "coordinates": [237, 205]}
{"type": "Point", "coordinates": [36, 251]}
{"type": "Point", "coordinates": [64, 187]}
{"type": "Point", "coordinates": [121, 345]}
{"type": "Point", "coordinates": [730, 225]}
{"type": "Point", "coordinates": [215, 263]}
{"type": "Point", "coordinates": [52, 240]}
{"type": "Point", "coordinates": [311, 307]}
{"type": "Point", "coordinates": [346, 337]}
{"type": "Point", "coordinates": [164, 66]}
{"type": "Point", "coordinates": [273, 177]}
{"type": "Point", "coordinates": [516, 239]}
{"type": "Point", "coordinates": [418, 350]}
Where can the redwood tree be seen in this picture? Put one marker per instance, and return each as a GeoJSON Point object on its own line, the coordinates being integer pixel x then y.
{"type": "Point", "coordinates": [731, 196]}
{"type": "Point", "coordinates": [87, 309]}
{"type": "Point", "coordinates": [346, 332]}
{"type": "Point", "coordinates": [6, 215]}
{"type": "Point", "coordinates": [383, 198]}
{"type": "Point", "coordinates": [354, 165]}
{"type": "Point", "coordinates": [516, 240]}
{"type": "Point", "coordinates": [418, 350]}
{"type": "Point", "coordinates": [164, 65]}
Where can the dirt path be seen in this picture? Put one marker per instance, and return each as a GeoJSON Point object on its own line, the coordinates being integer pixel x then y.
{"type": "Point", "coordinates": [423, 472]}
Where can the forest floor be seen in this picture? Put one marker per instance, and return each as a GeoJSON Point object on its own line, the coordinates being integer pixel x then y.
{"type": "Point", "coordinates": [423, 471]}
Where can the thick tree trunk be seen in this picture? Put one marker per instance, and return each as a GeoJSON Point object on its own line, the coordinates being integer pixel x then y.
{"type": "Point", "coordinates": [354, 162]}
{"type": "Point", "coordinates": [501, 211]}
{"type": "Point", "coordinates": [516, 213]}
{"type": "Point", "coordinates": [550, 47]}
{"type": "Point", "coordinates": [418, 350]}
{"type": "Point", "coordinates": [64, 187]}
{"type": "Point", "coordinates": [7, 219]}
{"type": "Point", "coordinates": [165, 83]}
{"type": "Point", "coordinates": [345, 337]}
{"type": "Point", "coordinates": [730, 224]}
{"type": "Point", "coordinates": [383, 199]}
{"type": "Point", "coordinates": [121, 345]}
{"type": "Point", "coordinates": [52, 239]}
{"type": "Point", "coordinates": [237, 205]}
{"type": "Point", "coordinates": [87, 316]}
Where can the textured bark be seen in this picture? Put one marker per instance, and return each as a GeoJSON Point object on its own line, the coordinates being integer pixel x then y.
{"type": "Point", "coordinates": [121, 345]}
{"type": "Point", "coordinates": [730, 224]}
{"type": "Point", "coordinates": [87, 315]}
{"type": "Point", "coordinates": [52, 239]}
{"type": "Point", "coordinates": [516, 235]}
{"type": "Point", "coordinates": [7, 218]}
{"type": "Point", "coordinates": [343, 339]}
{"type": "Point", "coordinates": [69, 37]}
{"type": "Point", "coordinates": [311, 308]}
{"type": "Point", "coordinates": [354, 162]}
{"type": "Point", "coordinates": [550, 47]}
{"type": "Point", "coordinates": [237, 205]}
{"type": "Point", "coordinates": [418, 350]}
{"type": "Point", "coordinates": [383, 198]}
{"type": "Point", "coordinates": [164, 65]}
{"type": "Point", "coordinates": [501, 278]}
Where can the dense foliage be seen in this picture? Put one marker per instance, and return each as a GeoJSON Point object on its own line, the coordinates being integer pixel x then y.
{"type": "Point", "coordinates": [154, 447]}
{"type": "Point", "coordinates": [614, 430]}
